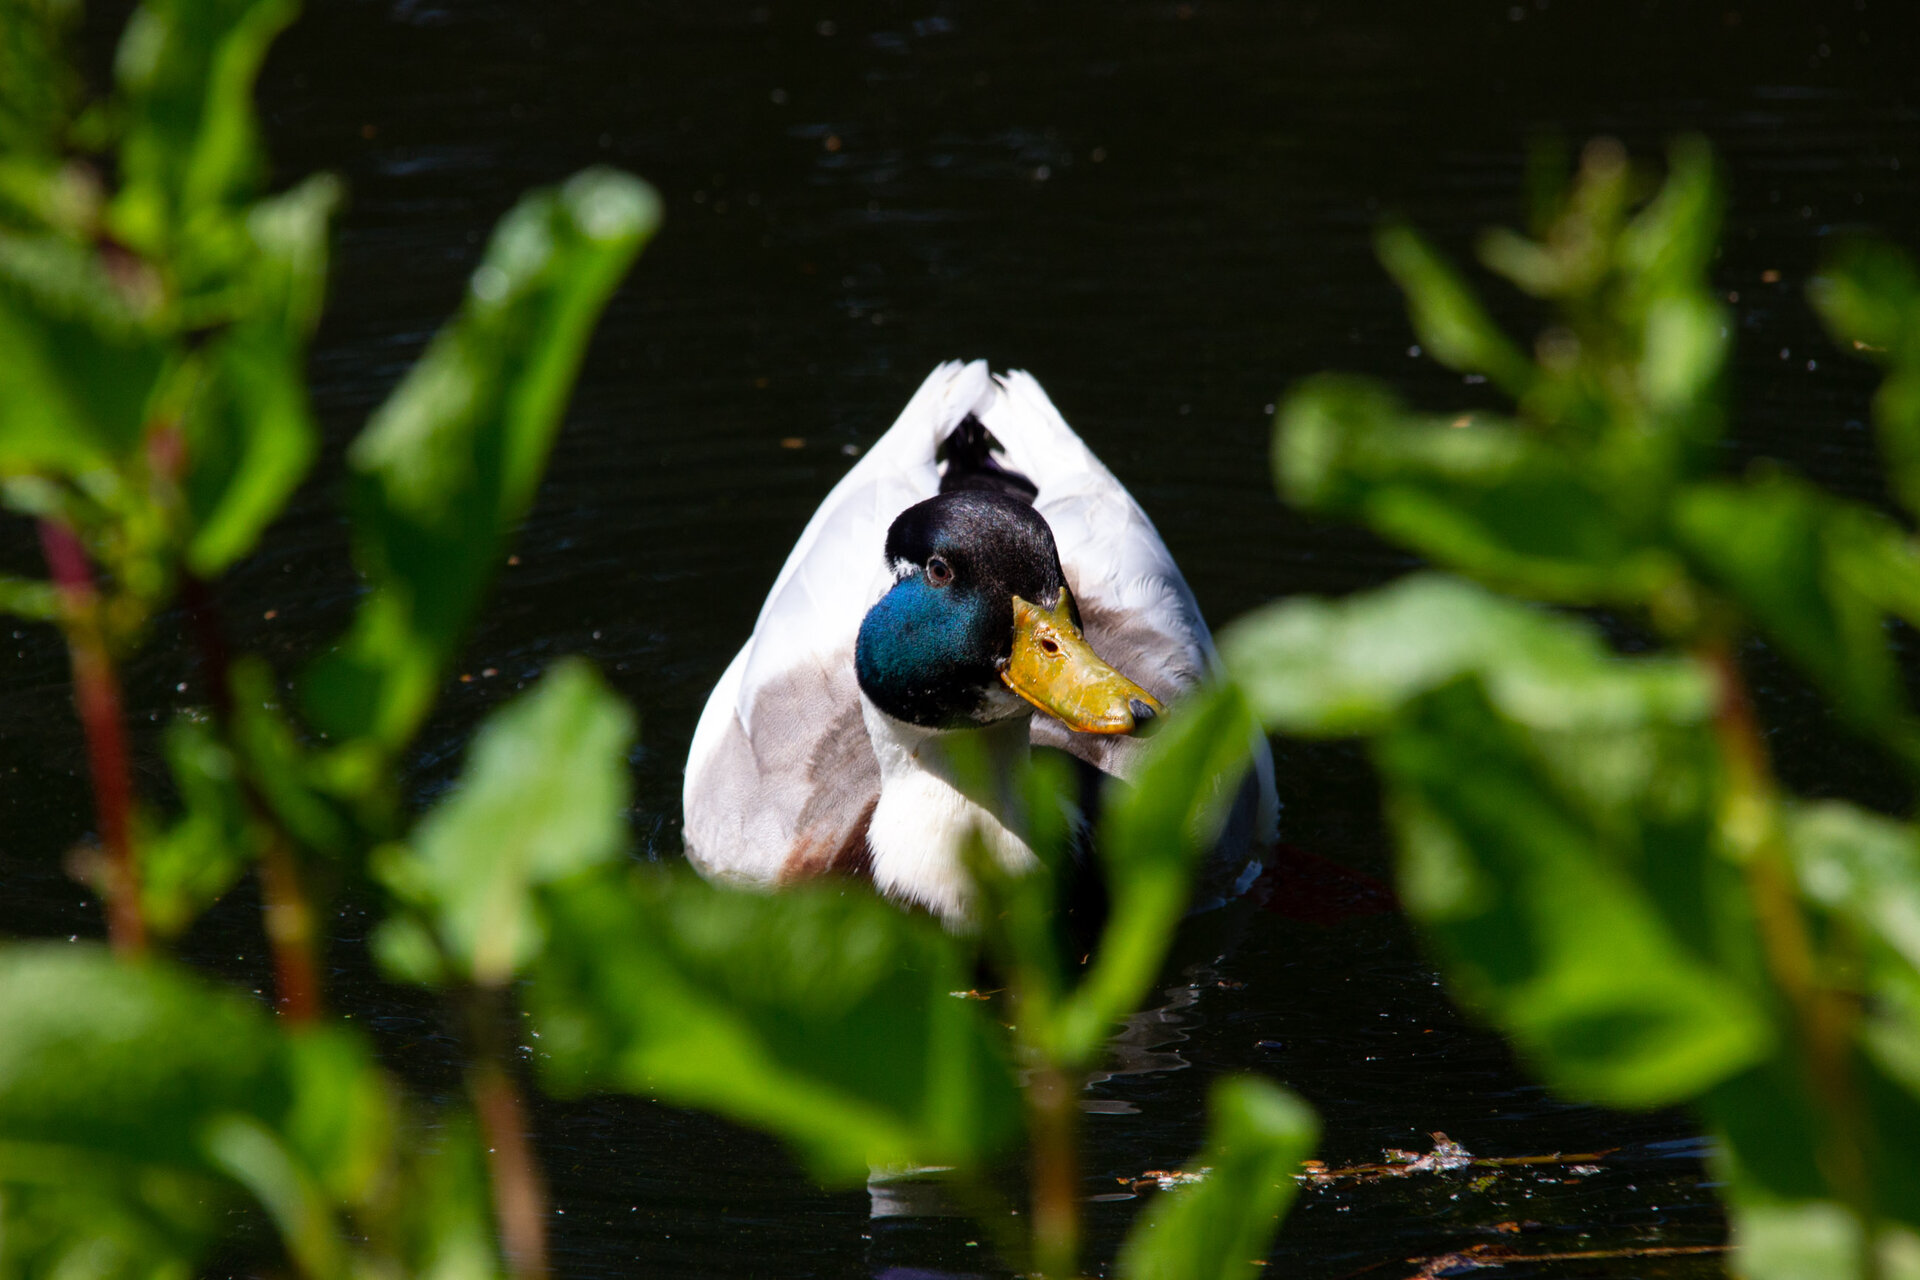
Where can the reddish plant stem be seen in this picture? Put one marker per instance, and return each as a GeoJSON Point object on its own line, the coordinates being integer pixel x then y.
{"type": "Point", "coordinates": [96, 696]}
{"type": "Point", "coordinates": [1826, 1017]}
{"type": "Point", "coordinates": [286, 909]}
{"type": "Point", "coordinates": [519, 1192]}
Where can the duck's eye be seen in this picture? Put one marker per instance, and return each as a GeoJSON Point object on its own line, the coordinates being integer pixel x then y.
{"type": "Point", "coordinates": [939, 572]}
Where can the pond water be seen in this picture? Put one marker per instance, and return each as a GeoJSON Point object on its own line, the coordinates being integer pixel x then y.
{"type": "Point", "coordinates": [1162, 210]}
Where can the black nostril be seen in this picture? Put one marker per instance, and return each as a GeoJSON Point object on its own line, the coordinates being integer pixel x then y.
{"type": "Point", "coordinates": [1141, 711]}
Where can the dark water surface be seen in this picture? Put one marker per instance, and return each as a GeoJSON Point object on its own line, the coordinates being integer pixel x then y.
{"type": "Point", "coordinates": [1164, 212]}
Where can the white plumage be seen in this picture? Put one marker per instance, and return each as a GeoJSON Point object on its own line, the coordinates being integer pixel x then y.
{"type": "Point", "coordinates": [783, 780]}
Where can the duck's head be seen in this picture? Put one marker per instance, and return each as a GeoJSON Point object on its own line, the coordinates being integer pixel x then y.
{"type": "Point", "coordinates": [979, 624]}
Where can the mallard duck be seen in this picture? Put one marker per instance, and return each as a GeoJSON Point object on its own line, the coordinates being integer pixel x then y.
{"type": "Point", "coordinates": [978, 572]}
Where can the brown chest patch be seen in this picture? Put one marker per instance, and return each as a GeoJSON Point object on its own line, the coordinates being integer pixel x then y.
{"type": "Point", "coordinates": [816, 855]}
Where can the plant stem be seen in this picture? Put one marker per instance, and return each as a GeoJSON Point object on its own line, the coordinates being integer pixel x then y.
{"type": "Point", "coordinates": [519, 1192]}
{"type": "Point", "coordinates": [96, 696]}
{"type": "Point", "coordinates": [1825, 1017]}
{"type": "Point", "coordinates": [287, 910]}
{"type": "Point", "coordinates": [1053, 1105]}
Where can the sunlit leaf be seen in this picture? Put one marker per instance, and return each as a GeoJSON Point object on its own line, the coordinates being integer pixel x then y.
{"type": "Point", "coordinates": [1785, 551]}
{"type": "Point", "coordinates": [821, 1014]}
{"type": "Point", "coordinates": [447, 467]}
{"type": "Point", "coordinates": [80, 366]}
{"type": "Point", "coordinates": [26, 598]}
{"type": "Point", "coordinates": [543, 797]}
{"type": "Point", "coordinates": [1544, 923]}
{"type": "Point", "coordinates": [1472, 492]}
{"type": "Point", "coordinates": [249, 433]}
{"type": "Point", "coordinates": [1447, 317]}
{"type": "Point", "coordinates": [1220, 1228]}
{"type": "Point", "coordinates": [186, 867]}
{"type": "Point", "coordinates": [186, 70]}
{"type": "Point", "coordinates": [1813, 1240]}
{"type": "Point", "coordinates": [1866, 869]}
{"type": "Point", "coordinates": [1319, 668]}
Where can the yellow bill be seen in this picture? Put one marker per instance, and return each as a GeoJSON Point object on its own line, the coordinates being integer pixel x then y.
{"type": "Point", "coordinates": [1055, 669]}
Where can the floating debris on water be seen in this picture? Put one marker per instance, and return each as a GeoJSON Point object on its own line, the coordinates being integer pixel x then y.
{"type": "Point", "coordinates": [1446, 1155]}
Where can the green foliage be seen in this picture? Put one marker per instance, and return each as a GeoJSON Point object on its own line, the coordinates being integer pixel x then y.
{"type": "Point", "coordinates": [543, 798]}
{"type": "Point", "coordinates": [1595, 844]}
{"type": "Point", "coordinates": [822, 1015]}
{"type": "Point", "coordinates": [1257, 1135]}
{"type": "Point", "coordinates": [448, 466]}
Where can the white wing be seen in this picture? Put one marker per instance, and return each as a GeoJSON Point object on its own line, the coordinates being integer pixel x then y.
{"type": "Point", "coordinates": [781, 774]}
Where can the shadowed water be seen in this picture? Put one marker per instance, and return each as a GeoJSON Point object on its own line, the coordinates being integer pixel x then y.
{"type": "Point", "coordinates": [1164, 212]}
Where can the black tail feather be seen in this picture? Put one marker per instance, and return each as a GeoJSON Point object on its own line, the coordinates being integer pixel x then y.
{"type": "Point", "coordinates": [967, 455]}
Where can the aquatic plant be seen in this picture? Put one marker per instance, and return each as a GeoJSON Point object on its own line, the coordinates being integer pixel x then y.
{"type": "Point", "coordinates": [1590, 831]}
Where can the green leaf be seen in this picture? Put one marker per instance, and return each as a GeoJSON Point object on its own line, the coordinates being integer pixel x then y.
{"type": "Point", "coordinates": [185, 868]}
{"type": "Point", "coordinates": [1446, 315]}
{"type": "Point", "coordinates": [82, 362]}
{"type": "Point", "coordinates": [191, 153]}
{"type": "Point", "coordinates": [108, 1075]}
{"type": "Point", "coordinates": [1868, 294]}
{"type": "Point", "coordinates": [249, 432]}
{"type": "Point", "coordinates": [1340, 669]}
{"type": "Point", "coordinates": [1813, 1240]}
{"type": "Point", "coordinates": [1865, 869]}
{"type": "Point", "coordinates": [448, 466]}
{"type": "Point", "coordinates": [27, 598]}
{"type": "Point", "coordinates": [1220, 1228]}
{"type": "Point", "coordinates": [127, 1061]}
{"type": "Point", "coordinates": [543, 797]}
{"type": "Point", "coordinates": [822, 1015]}
{"type": "Point", "coordinates": [1472, 492]}
{"type": "Point", "coordinates": [38, 85]}
{"type": "Point", "coordinates": [1788, 554]}
{"type": "Point", "coordinates": [1151, 834]}
{"type": "Point", "coordinates": [288, 778]}
{"type": "Point", "coordinates": [1548, 920]}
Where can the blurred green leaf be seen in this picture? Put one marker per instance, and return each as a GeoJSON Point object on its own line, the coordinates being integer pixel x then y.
{"type": "Point", "coordinates": [447, 467]}
{"type": "Point", "coordinates": [1788, 553]}
{"type": "Point", "coordinates": [1868, 294]}
{"type": "Point", "coordinates": [1220, 1229]}
{"type": "Point", "coordinates": [81, 363]}
{"type": "Point", "coordinates": [136, 1100]}
{"type": "Point", "coordinates": [1774, 1144]}
{"type": "Point", "coordinates": [109, 1075]}
{"type": "Point", "coordinates": [1478, 494]}
{"type": "Point", "coordinates": [125, 1062]}
{"type": "Point", "coordinates": [38, 84]}
{"type": "Point", "coordinates": [1545, 924]}
{"type": "Point", "coordinates": [543, 797]}
{"type": "Point", "coordinates": [249, 432]}
{"type": "Point", "coordinates": [1317, 668]}
{"type": "Point", "coordinates": [1668, 247]}
{"type": "Point", "coordinates": [1865, 869]}
{"type": "Point", "coordinates": [1812, 1240]}
{"type": "Point", "coordinates": [190, 153]}
{"type": "Point", "coordinates": [1554, 806]}
{"type": "Point", "coordinates": [1152, 831]}
{"type": "Point", "coordinates": [1447, 317]}
{"type": "Point", "coordinates": [283, 770]}
{"type": "Point", "coordinates": [187, 866]}
{"type": "Point", "coordinates": [27, 598]}
{"type": "Point", "coordinates": [822, 1015]}
{"type": "Point", "coordinates": [253, 1156]}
